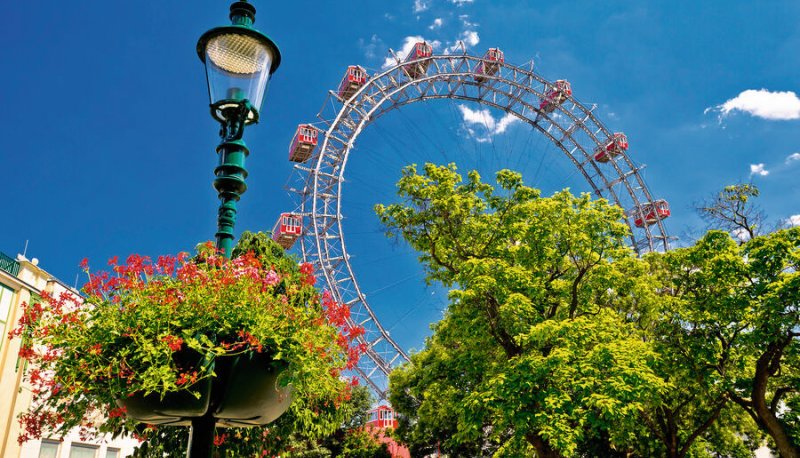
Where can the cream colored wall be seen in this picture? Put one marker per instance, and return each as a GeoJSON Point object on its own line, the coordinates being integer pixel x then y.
{"type": "Point", "coordinates": [12, 400]}
{"type": "Point", "coordinates": [15, 393]}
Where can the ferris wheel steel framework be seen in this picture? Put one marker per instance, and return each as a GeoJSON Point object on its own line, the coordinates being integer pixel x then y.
{"type": "Point", "coordinates": [571, 127]}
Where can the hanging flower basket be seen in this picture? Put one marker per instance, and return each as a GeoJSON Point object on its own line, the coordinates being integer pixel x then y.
{"type": "Point", "coordinates": [174, 408]}
{"type": "Point", "coordinates": [168, 341]}
{"type": "Point", "coordinates": [246, 392]}
{"type": "Point", "coordinates": [253, 395]}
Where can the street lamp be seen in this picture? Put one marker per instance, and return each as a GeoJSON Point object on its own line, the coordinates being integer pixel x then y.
{"type": "Point", "coordinates": [239, 61]}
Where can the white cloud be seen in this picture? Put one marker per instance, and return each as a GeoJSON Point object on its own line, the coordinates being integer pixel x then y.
{"type": "Point", "coordinates": [408, 44]}
{"type": "Point", "coordinates": [758, 169]}
{"type": "Point", "coordinates": [467, 38]}
{"type": "Point", "coordinates": [461, 2]}
{"type": "Point", "coordinates": [741, 234]}
{"type": "Point", "coordinates": [792, 158]}
{"type": "Point", "coordinates": [465, 20]}
{"type": "Point", "coordinates": [420, 6]}
{"type": "Point", "coordinates": [504, 122]}
{"type": "Point", "coordinates": [470, 37]}
{"type": "Point", "coordinates": [483, 117]}
{"type": "Point", "coordinates": [793, 220]}
{"type": "Point", "coordinates": [436, 23]}
{"type": "Point", "coordinates": [763, 104]}
{"type": "Point", "coordinates": [369, 47]}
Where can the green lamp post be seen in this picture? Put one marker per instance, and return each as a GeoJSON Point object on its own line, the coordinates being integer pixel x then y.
{"type": "Point", "coordinates": [239, 61]}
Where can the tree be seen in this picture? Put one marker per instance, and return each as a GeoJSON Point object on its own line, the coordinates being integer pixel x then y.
{"type": "Point", "coordinates": [684, 420]}
{"type": "Point", "coordinates": [536, 350]}
{"type": "Point", "coordinates": [741, 305]}
{"type": "Point", "coordinates": [732, 210]}
{"type": "Point", "coordinates": [361, 443]}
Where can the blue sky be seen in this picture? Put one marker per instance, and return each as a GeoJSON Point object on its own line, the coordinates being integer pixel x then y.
{"type": "Point", "coordinates": [109, 149]}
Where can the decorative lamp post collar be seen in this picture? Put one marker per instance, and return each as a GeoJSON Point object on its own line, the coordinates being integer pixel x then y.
{"type": "Point", "coordinates": [243, 13]}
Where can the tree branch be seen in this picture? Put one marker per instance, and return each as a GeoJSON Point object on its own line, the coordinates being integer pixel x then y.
{"type": "Point", "coordinates": [710, 421]}
{"type": "Point", "coordinates": [776, 398]}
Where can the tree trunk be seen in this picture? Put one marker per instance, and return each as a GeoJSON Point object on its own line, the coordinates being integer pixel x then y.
{"type": "Point", "coordinates": [772, 425]}
{"type": "Point", "coordinates": [671, 434]}
{"type": "Point", "coordinates": [543, 449]}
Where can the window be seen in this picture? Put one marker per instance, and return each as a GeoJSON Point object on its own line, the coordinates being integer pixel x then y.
{"type": "Point", "coordinates": [49, 449]}
{"type": "Point", "coordinates": [6, 299]}
{"type": "Point", "coordinates": [82, 451]}
{"type": "Point", "coordinates": [112, 452]}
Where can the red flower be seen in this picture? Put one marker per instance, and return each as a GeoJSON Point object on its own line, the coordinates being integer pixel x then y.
{"type": "Point", "coordinates": [174, 342]}
{"type": "Point", "coordinates": [26, 352]}
{"type": "Point", "coordinates": [220, 439]}
{"type": "Point", "coordinates": [186, 377]}
{"type": "Point", "coordinates": [85, 264]}
{"type": "Point", "coordinates": [117, 412]}
{"type": "Point", "coordinates": [307, 269]}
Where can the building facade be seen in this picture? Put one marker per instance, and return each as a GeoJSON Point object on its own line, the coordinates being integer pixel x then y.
{"type": "Point", "coordinates": [22, 281]}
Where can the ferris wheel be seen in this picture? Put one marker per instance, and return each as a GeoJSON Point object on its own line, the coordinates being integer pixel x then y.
{"type": "Point", "coordinates": [549, 107]}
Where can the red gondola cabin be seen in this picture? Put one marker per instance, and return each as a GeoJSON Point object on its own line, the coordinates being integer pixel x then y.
{"type": "Point", "coordinates": [614, 146]}
{"type": "Point", "coordinates": [420, 50]}
{"type": "Point", "coordinates": [354, 78]}
{"type": "Point", "coordinates": [650, 213]}
{"type": "Point", "coordinates": [303, 144]}
{"type": "Point", "coordinates": [555, 96]}
{"type": "Point", "coordinates": [490, 64]}
{"type": "Point", "coordinates": [287, 229]}
{"type": "Point", "coordinates": [380, 419]}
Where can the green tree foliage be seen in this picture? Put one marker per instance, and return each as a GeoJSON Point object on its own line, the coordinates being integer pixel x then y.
{"type": "Point", "coordinates": [684, 420]}
{"type": "Point", "coordinates": [361, 443]}
{"type": "Point", "coordinates": [538, 349]}
{"type": "Point", "coordinates": [559, 342]}
{"type": "Point", "coordinates": [740, 317]}
{"type": "Point", "coordinates": [349, 440]}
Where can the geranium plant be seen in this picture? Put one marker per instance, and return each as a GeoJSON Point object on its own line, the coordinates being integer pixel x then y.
{"type": "Point", "coordinates": [89, 354]}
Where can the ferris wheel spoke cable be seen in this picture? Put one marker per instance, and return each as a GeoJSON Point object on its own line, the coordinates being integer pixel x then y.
{"type": "Point", "coordinates": [396, 283]}
{"type": "Point", "coordinates": [490, 135]}
{"type": "Point", "coordinates": [416, 127]}
{"type": "Point", "coordinates": [526, 151]}
{"type": "Point", "coordinates": [364, 262]}
{"type": "Point", "coordinates": [456, 122]}
{"type": "Point", "coordinates": [420, 303]}
{"type": "Point", "coordinates": [434, 119]}
{"type": "Point", "coordinates": [393, 140]}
